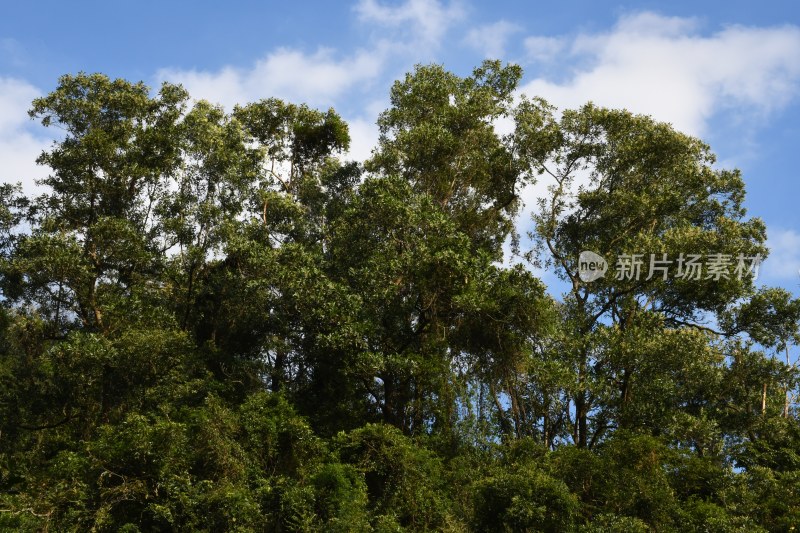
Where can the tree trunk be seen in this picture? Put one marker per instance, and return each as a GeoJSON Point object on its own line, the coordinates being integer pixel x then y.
{"type": "Point", "coordinates": [581, 407]}
{"type": "Point", "coordinates": [786, 400]}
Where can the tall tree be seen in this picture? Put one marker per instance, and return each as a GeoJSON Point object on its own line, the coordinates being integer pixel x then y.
{"type": "Point", "coordinates": [624, 185]}
{"type": "Point", "coordinates": [439, 135]}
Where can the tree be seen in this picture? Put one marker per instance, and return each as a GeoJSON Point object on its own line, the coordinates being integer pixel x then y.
{"type": "Point", "coordinates": [209, 321]}
{"type": "Point", "coordinates": [439, 136]}
{"type": "Point", "coordinates": [624, 185]}
{"type": "Point", "coordinates": [771, 318]}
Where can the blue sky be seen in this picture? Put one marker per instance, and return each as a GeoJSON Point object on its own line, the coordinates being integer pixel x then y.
{"type": "Point", "coordinates": [728, 72]}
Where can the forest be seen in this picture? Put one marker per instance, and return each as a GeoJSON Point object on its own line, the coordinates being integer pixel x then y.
{"type": "Point", "coordinates": [211, 320]}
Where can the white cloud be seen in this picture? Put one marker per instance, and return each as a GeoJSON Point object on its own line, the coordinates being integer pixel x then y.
{"type": "Point", "coordinates": [19, 161]}
{"type": "Point", "coordinates": [325, 78]}
{"type": "Point", "coordinates": [15, 99]}
{"type": "Point", "coordinates": [364, 131]}
{"type": "Point", "coordinates": [19, 148]}
{"type": "Point", "coordinates": [544, 49]}
{"type": "Point", "coordinates": [783, 263]}
{"type": "Point", "coordinates": [427, 21]}
{"type": "Point", "coordinates": [504, 125]}
{"type": "Point", "coordinates": [491, 39]}
{"type": "Point", "coordinates": [317, 79]}
{"type": "Point", "coordinates": [363, 138]}
{"type": "Point", "coordinates": [662, 66]}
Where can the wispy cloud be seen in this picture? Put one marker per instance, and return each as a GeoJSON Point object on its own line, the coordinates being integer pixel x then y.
{"type": "Point", "coordinates": [491, 39]}
{"type": "Point", "coordinates": [15, 98]}
{"type": "Point", "coordinates": [420, 23]}
{"type": "Point", "coordinates": [330, 77]}
{"type": "Point", "coordinates": [783, 263]}
{"type": "Point", "coordinates": [544, 49]}
{"type": "Point", "coordinates": [19, 148]}
{"type": "Point", "coordinates": [317, 79]}
{"type": "Point", "coordinates": [664, 67]}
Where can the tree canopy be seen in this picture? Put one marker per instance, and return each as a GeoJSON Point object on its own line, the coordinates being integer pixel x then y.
{"type": "Point", "coordinates": [210, 320]}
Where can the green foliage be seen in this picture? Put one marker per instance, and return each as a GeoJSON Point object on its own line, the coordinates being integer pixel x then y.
{"type": "Point", "coordinates": [404, 481]}
{"type": "Point", "coordinates": [210, 322]}
{"type": "Point", "coordinates": [524, 499]}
